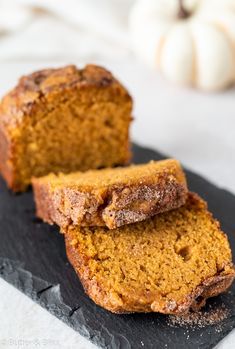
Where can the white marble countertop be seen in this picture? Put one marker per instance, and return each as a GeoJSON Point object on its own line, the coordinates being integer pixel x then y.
{"type": "Point", "coordinates": [198, 129]}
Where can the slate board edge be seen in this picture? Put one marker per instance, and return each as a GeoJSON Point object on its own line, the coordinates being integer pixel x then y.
{"type": "Point", "coordinates": [53, 302]}
{"type": "Point", "coordinates": [43, 293]}
{"type": "Point", "coordinates": [49, 297]}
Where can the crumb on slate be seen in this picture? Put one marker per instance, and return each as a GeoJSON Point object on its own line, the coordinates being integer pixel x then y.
{"type": "Point", "coordinates": [201, 318]}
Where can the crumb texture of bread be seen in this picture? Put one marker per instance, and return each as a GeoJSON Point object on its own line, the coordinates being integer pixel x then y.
{"type": "Point", "coordinates": [110, 197]}
{"type": "Point", "coordinates": [63, 120]}
{"type": "Point", "coordinates": [170, 263]}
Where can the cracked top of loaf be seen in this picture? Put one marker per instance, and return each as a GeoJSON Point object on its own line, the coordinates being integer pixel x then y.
{"type": "Point", "coordinates": [33, 88]}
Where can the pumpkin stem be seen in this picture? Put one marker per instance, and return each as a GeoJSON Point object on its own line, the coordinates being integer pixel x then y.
{"type": "Point", "coordinates": [182, 13]}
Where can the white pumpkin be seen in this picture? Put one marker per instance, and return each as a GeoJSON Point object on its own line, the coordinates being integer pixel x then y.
{"type": "Point", "coordinates": [192, 42]}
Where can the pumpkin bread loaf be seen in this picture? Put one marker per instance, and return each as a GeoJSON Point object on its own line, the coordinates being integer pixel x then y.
{"type": "Point", "coordinates": [63, 120]}
{"type": "Point", "coordinates": [169, 263]}
{"type": "Point", "coordinates": [111, 197]}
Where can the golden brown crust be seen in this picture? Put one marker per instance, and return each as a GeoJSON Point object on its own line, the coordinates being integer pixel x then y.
{"type": "Point", "coordinates": [39, 92]}
{"type": "Point", "coordinates": [5, 155]}
{"type": "Point", "coordinates": [33, 88]}
{"type": "Point", "coordinates": [158, 190]}
{"type": "Point", "coordinates": [151, 301]}
{"type": "Point", "coordinates": [210, 287]}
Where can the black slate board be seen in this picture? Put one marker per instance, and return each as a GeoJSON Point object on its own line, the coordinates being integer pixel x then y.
{"type": "Point", "coordinates": [32, 258]}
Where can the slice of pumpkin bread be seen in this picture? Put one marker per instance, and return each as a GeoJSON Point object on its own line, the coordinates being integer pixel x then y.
{"type": "Point", "coordinates": [63, 120]}
{"type": "Point", "coordinates": [169, 263]}
{"type": "Point", "coordinates": [111, 197]}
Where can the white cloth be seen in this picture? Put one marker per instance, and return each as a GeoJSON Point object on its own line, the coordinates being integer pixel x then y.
{"type": "Point", "coordinates": [64, 29]}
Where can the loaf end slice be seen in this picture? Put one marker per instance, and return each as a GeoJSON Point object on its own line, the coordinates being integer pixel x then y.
{"type": "Point", "coordinates": [170, 263]}
{"type": "Point", "coordinates": [111, 197]}
{"type": "Point", "coordinates": [63, 120]}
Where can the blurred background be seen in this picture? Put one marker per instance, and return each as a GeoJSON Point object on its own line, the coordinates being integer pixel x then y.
{"type": "Point", "coordinates": [172, 114]}
{"type": "Point", "coordinates": [64, 30]}
{"type": "Point", "coordinates": [196, 127]}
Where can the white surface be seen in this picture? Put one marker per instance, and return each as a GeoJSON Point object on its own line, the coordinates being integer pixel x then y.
{"type": "Point", "coordinates": [25, 324]}
{"type": "Point", "coordinates": [45, 29]}
{"type": "Point", "coordinates": [198, 129]}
